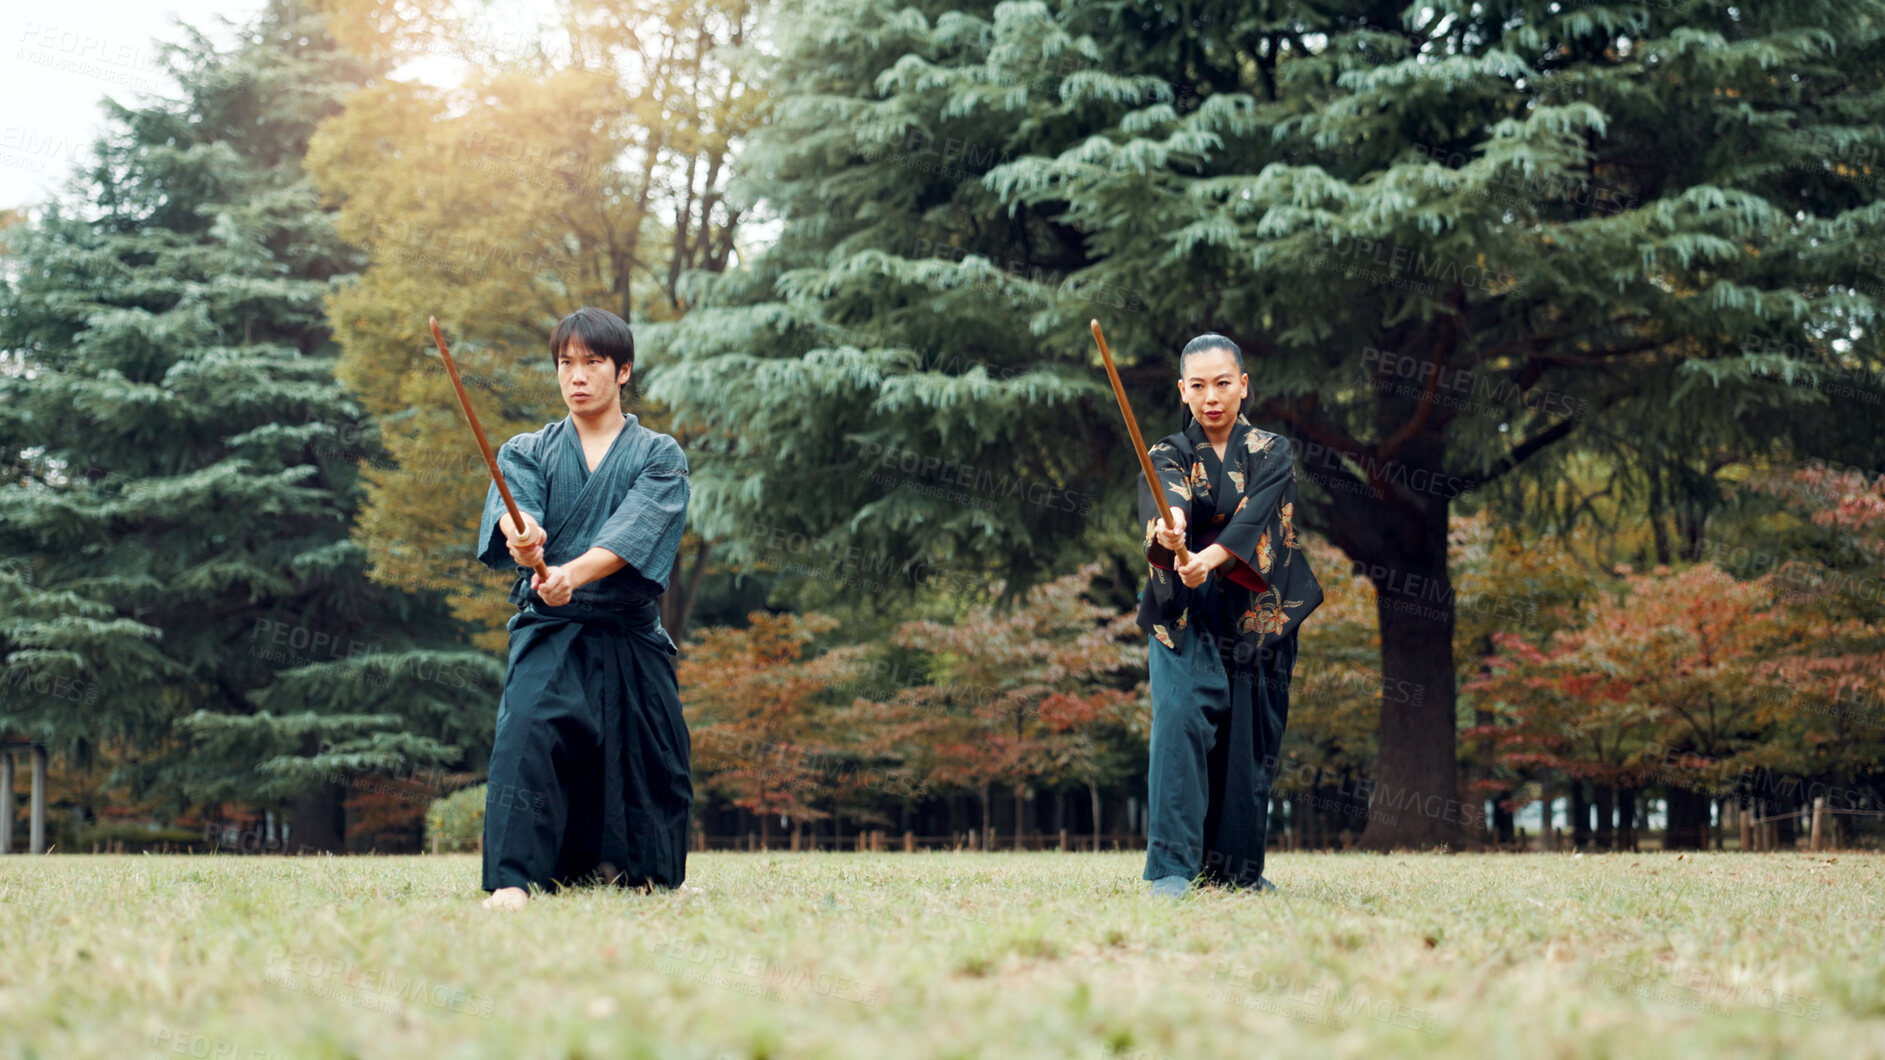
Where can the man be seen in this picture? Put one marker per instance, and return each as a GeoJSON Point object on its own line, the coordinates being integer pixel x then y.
{"type": "Point", "coordinates": [589, 774]}
{"type": "Point", "coordinates": [1223, 626]}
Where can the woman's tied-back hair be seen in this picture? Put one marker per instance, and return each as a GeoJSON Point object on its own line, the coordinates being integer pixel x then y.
{"type": "Point", "coordinates": [1206, 343]}
{"type": "Point", "coordinates": [598, 329]}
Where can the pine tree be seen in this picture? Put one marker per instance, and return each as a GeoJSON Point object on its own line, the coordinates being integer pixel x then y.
{"type": "Point", "coordinates": [180, 594]}
{"type": "Point", "coordinates": [1462, 243]}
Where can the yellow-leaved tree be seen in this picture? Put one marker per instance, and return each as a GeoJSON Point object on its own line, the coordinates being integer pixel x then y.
{"type": "Point", "coordinates": [579, 163]}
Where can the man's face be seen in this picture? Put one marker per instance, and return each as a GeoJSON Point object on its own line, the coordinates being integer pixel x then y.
{"type": "Point", "coordinates": [588, 380]}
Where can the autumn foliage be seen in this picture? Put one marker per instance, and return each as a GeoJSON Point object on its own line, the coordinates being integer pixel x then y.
{"type": "Point", "coordinates": [1047, 693]}
{"type": "Point", "coordinates": [759, 709]}
{"type": "Point", "coordinates": [1716, 679]}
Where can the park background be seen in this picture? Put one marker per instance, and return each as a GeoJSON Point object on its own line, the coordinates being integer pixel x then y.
{"type": "Point", "coordinates": [1567, 310]}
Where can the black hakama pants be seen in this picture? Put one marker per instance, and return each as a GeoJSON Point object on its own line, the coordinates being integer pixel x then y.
{"type": "Point", "coordinates": [589, 774]}
{"type": "Point", "coordinates": [1217, 736]}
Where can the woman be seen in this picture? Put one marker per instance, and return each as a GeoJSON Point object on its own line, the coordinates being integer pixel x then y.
{"type": "Point", "coordinates": [1223, 627]}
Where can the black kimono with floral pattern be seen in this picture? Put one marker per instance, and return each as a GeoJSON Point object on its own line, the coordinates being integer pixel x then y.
{"type": "Point", "coordinates": [1247, 503]}
{"type": "Point", "coordinates": [1223, 652]}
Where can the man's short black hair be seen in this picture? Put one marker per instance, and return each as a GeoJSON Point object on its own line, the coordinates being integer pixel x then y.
{"type": "Point", "coordinates": [598, 329]}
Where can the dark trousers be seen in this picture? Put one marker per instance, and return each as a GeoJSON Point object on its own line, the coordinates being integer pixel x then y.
{"type": "Point", "coordinates": [589, 773]}
{"type": "Point", "coordinates": [1217, 734]}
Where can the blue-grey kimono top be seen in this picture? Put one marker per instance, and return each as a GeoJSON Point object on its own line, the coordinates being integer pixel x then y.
{"type": "Point", "coordinates": [634, 504]}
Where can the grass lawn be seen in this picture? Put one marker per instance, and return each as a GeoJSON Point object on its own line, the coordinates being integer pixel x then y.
{"type": "Point", "coordinates": [949, 955]}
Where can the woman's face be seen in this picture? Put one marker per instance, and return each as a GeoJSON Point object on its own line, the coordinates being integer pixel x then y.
{"type": "Point", "coordinates": [1213, 387]}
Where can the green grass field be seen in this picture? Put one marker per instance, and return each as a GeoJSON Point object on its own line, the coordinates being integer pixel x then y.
{"type": "Point", "coordinates": [949, 955]}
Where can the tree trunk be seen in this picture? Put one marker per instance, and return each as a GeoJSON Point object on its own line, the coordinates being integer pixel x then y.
{"type": "Point", "coordinates": [1688, 820]}
{"type": "Point", "coordinates": [1545, 800]}
{"type": "Point", "coordinates": [1580, 815]}
{"type": "Point", "coordinates": [1626, 819]}
{"type": "Point", "coordinates": [677, 604]}
{"type": "Point", "coordinates": [1606, 812]}
{"type": "Point", "coordinates": [1020, 816]}
{"type": "Point", "coordinates": [1093, 793]}
{"type": "Point", "coordinates": [1784, 828]}
{"type": "Point", "coordinates": [319, 820]}
{"type": "Point", "coordinates": [1658, 534]}
{"type": "Point", "coordinates": [320, 814]}
{"type": "Point", "coordinates": [1502, 818]}
{"type": "Point", "coordinates": [1416, 771]}
{"type": "Point", "coordinates": [1386, 505]}
{"type": "Point", "coordinates": [988, 822]}
{"type": "Point", "coordinates": [1313, 825]}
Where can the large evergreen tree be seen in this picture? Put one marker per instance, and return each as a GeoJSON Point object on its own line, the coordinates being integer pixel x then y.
{"type": "Point", "coordinates": [180, 466]}
{"type": "Point", "coordinates": [1463, 243]}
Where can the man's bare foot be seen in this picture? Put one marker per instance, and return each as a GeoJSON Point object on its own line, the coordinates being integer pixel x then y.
{"type": "Point", "coordinates": [507, 898]}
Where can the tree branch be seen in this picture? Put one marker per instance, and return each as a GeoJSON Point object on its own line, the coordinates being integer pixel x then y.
{"type": "Point", "coordinates": [1524, 451]}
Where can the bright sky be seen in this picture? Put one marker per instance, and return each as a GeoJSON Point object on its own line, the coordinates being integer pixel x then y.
{"type": "Point", "coordinates": [58, 61]}
{"type": "Point", "coordinates": [57, 64]}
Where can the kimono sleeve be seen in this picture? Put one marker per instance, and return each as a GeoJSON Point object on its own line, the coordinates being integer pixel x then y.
{"type": "Point", "coordinates": [524, 476]}
{"type": "Point", "coordinates": [1169, 596]}
{"type": "Point", "coordinates": [645, 529]}
{"type": "Point", "coordinates": [1168, 462]}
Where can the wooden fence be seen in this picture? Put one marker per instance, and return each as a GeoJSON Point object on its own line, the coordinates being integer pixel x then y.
{"type": "Point", "coordinates": [909, 842]}
{"type": "Point", "coordinates": [1758, 834]}
{"type": "Point", "coordinates": [1763, 833]}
